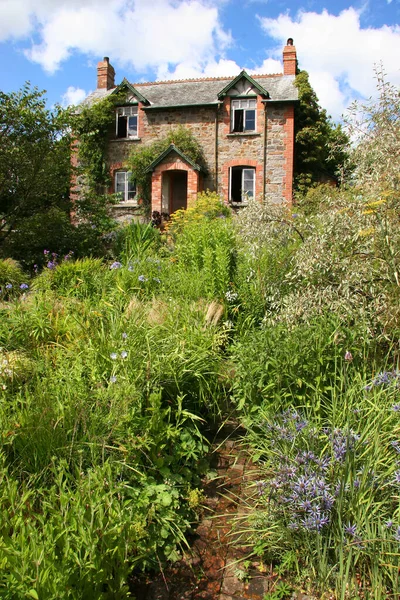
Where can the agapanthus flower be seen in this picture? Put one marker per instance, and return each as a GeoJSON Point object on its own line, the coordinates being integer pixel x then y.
{"type": "Point", "coordinates": [350, 529]}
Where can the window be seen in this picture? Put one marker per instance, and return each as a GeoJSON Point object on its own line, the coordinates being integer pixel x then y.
{"type": "Point", "coordinates": [242, 184]}
{"type": "Point", "coordinates": [127, 122]}
{"type": "Point", "coordinates": [243, 115]}
{"type": "Point", "coordinates": [124, 186]}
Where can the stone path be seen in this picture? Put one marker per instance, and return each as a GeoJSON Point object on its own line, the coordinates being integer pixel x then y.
{"type": "Point", "coordinates": [213, 568]}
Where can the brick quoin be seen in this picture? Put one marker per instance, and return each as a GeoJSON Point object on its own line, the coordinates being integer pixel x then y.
{"type": "Point", "coordinates": [289, 154]}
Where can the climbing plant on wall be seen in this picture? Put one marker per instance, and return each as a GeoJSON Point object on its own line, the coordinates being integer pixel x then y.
{"type": "Point", "coordinates": [141, 158]}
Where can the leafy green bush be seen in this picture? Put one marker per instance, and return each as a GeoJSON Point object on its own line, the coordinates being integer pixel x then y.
{"type": "Point", "coordinates": [12, 279]}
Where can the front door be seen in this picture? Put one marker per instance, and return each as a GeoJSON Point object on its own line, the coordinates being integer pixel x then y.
{"type": "Point", "coordinates": [178, 190]}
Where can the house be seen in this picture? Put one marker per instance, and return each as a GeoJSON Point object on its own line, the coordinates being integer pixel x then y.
{"type": "Point", "coordinates": [244, 124]}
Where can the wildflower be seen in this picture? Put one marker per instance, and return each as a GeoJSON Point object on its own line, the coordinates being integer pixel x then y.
{"type": "Point", "coordinates": [124, 335]}
{"type": "Point", "coordinates": [397, 477]}
{"type": "Point", "coordinates": [156, 280]}
{"type": "Point", "coordinates": [261, 485]}
{"type": "Point", "coordinates": [348, 357]}
{"type": "Point", "coordinates": [113, 356]}
{"type": "Point", "coordinates": [124, 354]}
{"type": "Point", "coordinates": [142, 278]}
{"type": "Point", "coordinates": [389, 524]}
{"type": "Point", "coordinates": [350, 529]}
{"type": "Point", "coordinates": [115, 265]}
{"type": "Point", "coordinates": [8, 286]}
{"type": "Point", "coordinates": [231, 296]}
{"type": "Point", "coordinates": [113, 379]}
{"type": "Point", "coordinates": [35, 268]}
{"type": "Point", "coordinates": [51, 265]}
{"type": "Point", "coordinates": [46, 252]}
{"type": "Point", "coordinates": [396, 407]}
{"type": "Point", "coordinates": [397, 535]}
{"type": "Point", "coordinates": [24, 286]}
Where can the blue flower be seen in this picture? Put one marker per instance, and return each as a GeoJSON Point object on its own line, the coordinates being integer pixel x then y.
{"type": "Point", "coordinates": [124, 354]}
{"type": "Point", "coordinates": [389, 524]}
{"type": "Point", "coordinates": [51, 265]}
{"type": "Point", "coordinates": [142, 278]}
{"type": "Point", "coordinates": [8, 286]}
{"type": "Point", "coordinates": [396, 407]}
{"type": "Point", "coordinates": [113, 356]}
{"type": "Point", "coordinates": [124, 335]}
{"type": "Point", "coordinates": [115, 265]}
{"type": "Point", "coordinates": [350, 529]}
{"type": "Point", "coordinates": [24, 286]}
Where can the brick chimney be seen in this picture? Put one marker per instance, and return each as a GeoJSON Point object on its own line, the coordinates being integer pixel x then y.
{"type": "Point", "coordinates": [105, 74]}
{"type": "Point", "coordinates": [289, 58]}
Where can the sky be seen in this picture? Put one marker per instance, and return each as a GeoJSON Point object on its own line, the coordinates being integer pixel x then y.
{"type": "Point", "coordinates": [56, 44]}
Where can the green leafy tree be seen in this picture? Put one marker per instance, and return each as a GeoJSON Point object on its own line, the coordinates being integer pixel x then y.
{"type": "Point", "coordinates": [374, 126]}
{"type": "Point", "coordinates": [320, 145]}
{"type": "Point", "coordinates": [34, 159]}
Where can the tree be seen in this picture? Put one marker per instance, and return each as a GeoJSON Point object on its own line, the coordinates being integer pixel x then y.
{"type": "Point", "coordinates": [374, 127]}
{"type": "Point", "coordinates": [320, 145]}
{"type": "Point", "coordinates": [34, 159]}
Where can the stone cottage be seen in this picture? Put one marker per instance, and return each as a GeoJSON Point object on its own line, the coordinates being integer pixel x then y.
{"type": "Point", "coordinates": [244, 124]}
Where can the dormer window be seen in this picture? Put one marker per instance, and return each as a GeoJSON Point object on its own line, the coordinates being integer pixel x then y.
{"type": "Point", "coordinates": [127, 122]}
{"type": "Point", "coordinates": [243, 115]}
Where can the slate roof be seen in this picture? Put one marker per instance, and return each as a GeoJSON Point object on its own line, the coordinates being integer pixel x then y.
{"type": "Point", "coordinates": [187, 92]}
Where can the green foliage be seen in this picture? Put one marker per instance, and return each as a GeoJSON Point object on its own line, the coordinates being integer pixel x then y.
{"type": "Point", "coordinates": [34, 159]}
{"type": "Point", "coordinates": [375, 128]}
{"type": "Point", "coordinates": [320, 146]}
{"type": "Point", "coordinates": [135, 240]}
{"type": "Point", "coordinates": [91, 128]}
{"type": "Point", "coordinates": [140, 159]}
{"type": "Point", "coordinates": [11, 277]}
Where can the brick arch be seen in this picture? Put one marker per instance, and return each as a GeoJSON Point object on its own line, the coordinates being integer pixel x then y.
{"type": "Point", "coordinates": [243, 162]}
{"type": "Point", "coordinates": [117, 166]}
{"type": "Point", "coordinates": [173, 164]}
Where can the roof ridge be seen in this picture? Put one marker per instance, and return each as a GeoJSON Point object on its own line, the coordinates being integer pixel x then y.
{"type": "Point", "coordinates": [200, 79]}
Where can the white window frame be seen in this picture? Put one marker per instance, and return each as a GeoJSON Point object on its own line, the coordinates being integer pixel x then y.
{"type": "Point", "coordinates": [243, 104]}
{"type": "Point", "coordinates": [245, 173]}
{"type": "Point", "coordinates": [132, 121]}
{"type": "Point", "coordinates": [128, 193]}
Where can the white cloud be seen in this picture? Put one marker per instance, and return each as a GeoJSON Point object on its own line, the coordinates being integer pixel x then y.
{"type": "Point", "coordinates": [73, 96]}
{"type": "Point", "coordinates": [338, 53]}
{"type": "Point", "coordinates": [137, 33]}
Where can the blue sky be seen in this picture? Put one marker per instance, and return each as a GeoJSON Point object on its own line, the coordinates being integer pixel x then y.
{"type": "Point", "coordinates": [56, 44]}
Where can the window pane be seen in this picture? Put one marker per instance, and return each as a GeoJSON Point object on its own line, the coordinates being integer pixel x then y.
{"type": "Point", "coordinates": [252, 103]}
{"type": "Point", "coordinates": [250, 120]}
{"type": "Point", "coordinates": [248, 183]}
{"type": "Point", "coordinates": [131, 187]}
{"type": "Point", "coordinates": [121, 127]}
{"type": "Point", "coordinates": [120, 182]}
{"type": "Point", "coordinates": [132, 126]}
{"type": "Point", "coordinates": [238, 120]}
